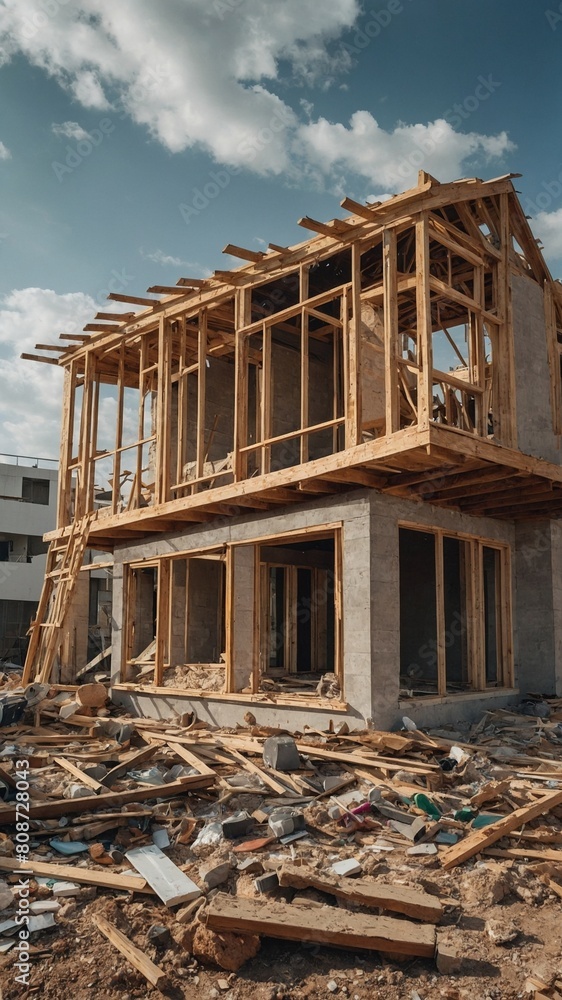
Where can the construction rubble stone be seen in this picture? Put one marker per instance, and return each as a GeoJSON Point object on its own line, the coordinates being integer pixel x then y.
{"type": "Point", "coordinates": [211, 898]}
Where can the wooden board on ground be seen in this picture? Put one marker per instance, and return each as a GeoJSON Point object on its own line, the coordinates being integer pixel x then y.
{"type": "Point", "coordinates": [328, 926]}
{"type": "Point", "coordinates": [60, 807]}
{"type": "Point", "coordinates": [399, 899]}
{"type": "Point", "coordinates": [72, 873]}
{"type": "Point", "coordinates": [155, 976]}
{"type": "Point", "coordinates": [480, 839]}
{"type": "Point", "coordinates": [129, 761]}
{"type": "Point", "coordinates": [80, 775]}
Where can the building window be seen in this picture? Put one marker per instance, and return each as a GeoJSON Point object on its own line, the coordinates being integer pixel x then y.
{"type": "Point", "coordinates": [35, 490]}
{"type": "Point", "coordinates": [455, 613]}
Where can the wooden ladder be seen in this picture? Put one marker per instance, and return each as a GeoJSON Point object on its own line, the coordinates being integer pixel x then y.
{"type": "Point", "coordinates": [64, 560]}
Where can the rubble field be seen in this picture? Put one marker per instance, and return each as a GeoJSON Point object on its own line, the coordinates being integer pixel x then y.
{"type": "Point", "coordinates": [169, 858]}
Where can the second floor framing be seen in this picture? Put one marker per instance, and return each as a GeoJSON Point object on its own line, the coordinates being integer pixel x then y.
{"type": "Point", "coordinates": [381, 352]}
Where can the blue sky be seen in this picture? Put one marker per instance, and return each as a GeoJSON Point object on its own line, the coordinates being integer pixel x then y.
{"type": "Point", "coordinates": [138, 138]}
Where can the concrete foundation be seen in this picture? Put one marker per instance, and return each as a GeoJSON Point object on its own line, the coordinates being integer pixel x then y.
{"type": "Point", "coordinates": [370, 614]}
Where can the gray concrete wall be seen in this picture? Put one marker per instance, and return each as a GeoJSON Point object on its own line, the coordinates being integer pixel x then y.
{"type": "Point", "coordinates": [539, 606]}
{"type": "Point", "coordinates": [535, 434]}
{"type": "Point", "coordinates": [370, 613]}
{"type": "Point", "coordinates": [353, 510]}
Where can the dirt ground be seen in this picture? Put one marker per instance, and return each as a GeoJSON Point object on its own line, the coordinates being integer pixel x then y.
{"type": "Point", "coordinates": [499, 938]}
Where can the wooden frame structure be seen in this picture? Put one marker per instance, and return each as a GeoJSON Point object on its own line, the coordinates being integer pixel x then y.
{"type": "Point", "coordinates": [378, 353]}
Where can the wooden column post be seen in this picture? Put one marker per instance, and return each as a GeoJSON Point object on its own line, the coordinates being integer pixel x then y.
{"type": "Point", "coordinates": [504, 367]}
{"type": "Point", "coordinates": [162, 485]}
{"type": "Point", "coordinates": [424, 324]}
{"type": "Point", "coordinates": [351, 303]}
{"type": "Point", "coordinates": [392, 401]}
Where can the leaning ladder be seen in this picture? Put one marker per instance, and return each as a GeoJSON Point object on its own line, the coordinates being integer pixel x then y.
{"type": "Point", "coordinates": [64, 560]}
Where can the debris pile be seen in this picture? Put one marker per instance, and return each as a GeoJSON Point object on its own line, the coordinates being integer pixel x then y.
{"type": "Point", "coordinates": [186, 849]}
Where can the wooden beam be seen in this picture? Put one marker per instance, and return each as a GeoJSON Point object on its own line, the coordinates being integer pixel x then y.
{"type": "Point", "coordinates": [151, 972]}
{"type": "Point", "coordinates": [116, 317]}
{"type": "Point", "coordinates": [326, 926]}
{"type": "Point", "coordinates": [476, 841]}
{"type": "Point", "coordinates": [73, 873]}
{"type": "Point", "coordinates": [37, 357]}
{"type": "Point", "coordinates": [135, 299]}
{"type": "Point", "coordinates": [252, 255]}
{"type": "Point", "coordinates": [392, 400]}
{"type": "Point", "coordinates": [60, 807]}
{"type": "Point", "coordinates": [397, 898]}
{"type": "Point", "coordinates": [191, 282]}
{"type": "Point", "coordinates": [167, 290]}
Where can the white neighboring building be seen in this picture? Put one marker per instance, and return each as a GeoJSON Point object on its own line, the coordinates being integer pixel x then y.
{"type": "Point", "coordinates": [28, 501]}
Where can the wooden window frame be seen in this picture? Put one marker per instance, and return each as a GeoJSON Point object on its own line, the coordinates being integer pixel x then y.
{"type": "Point", "coordinates": [475, 611]}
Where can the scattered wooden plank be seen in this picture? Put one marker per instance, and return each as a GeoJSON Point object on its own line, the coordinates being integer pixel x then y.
{"type": "Point", "coordinates": [61, 807]}
{"type": "Point", "coordinates": [480, 839]}
{"type": "Point", "coordinates": [7, 778]}
{"type": "Point", "coordinates": [399, 899]}
{"type": "Point", "coordinates": [72, 873]}
{"type": "Point", "coordinates": [267, 778]}
{"type": "Point", "coordinates": [130, 761]}
{"type": "Point", "coordinates": [327, 926]}
{"type": "Point", "coordinates": [151, 972]}
{"type": "Point", "coordinates": [521, 852]}
{"type": "Point", "coordinates": [94, 663]}
{"type": "Point", "coordinates": [168, 881]}
{"type": "Point", "coordinates": [190, 758]}
{"type": "Point", "coordinates": [80, 775]}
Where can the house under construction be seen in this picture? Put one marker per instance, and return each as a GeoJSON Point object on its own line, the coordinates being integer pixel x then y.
{"type": "Point", "coordinates": [330, 479]}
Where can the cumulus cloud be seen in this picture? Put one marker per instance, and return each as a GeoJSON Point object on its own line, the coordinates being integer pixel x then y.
{"type": "Point", "coordinates": [390, 160]}
{"type": "Point", "coordinates": [31, 398]}
{"type": "Point", "coordinates": [166, 259]}
{"type": "Point", "coordinates": [4, 152]}
{"type": "Point", "coordinates": [69, 130]}
{"type": "Point", "coordinates": [208, 74]}
{"type": "Point", "coordinates": [547, 226]}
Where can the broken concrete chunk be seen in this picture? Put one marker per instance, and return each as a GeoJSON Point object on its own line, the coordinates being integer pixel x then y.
{"type": "Point", "coordinates": [422, 849]}
{"type": "Point", "coordinates": [347, 867]}
{"type": "Point", "coordinates": [284, 822]}
{"type": "Point", "coordinates": [267, 882]}
{"type": "Point", "coordinates": [412, 831]}
{"type": "Point", "coordinates": [447, 960]}
{"type": "Point", "coordinates": [280, 753]}
{"type": "Point", "coordinates": [250, 866]}
{"type": "Point", "coordinates": [216, 874]}
{"type": "Point", "coordinates": [237, 826]}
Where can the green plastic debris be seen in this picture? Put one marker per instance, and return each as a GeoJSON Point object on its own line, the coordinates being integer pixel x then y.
{"type": "Point", "coordinates": [465, 814]}
{"type": "Point", "coordinates": [485, 819]}
{"type": "Point", "coordinates": [426, 805]}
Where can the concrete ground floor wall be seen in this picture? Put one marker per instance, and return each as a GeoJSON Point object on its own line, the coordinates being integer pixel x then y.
{"type": "Point", "coordinates": [370, 614]}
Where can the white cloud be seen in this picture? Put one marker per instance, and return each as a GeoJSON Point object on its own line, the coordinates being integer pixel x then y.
{"type": "Point", "coordinates": [547, 226]}
{"type": "Point", "coordinates": [165, 259]}
{"type": "Point", "coordinates": [4, 152]}
{"type": "Point", "coordinates": [69, 130]}
{"type": "Point", "coordinates": [208, 74]}
{"type": "Point", "coordinates": [31, 398]}
{"type": "Point", "coordinates": [391, 159]}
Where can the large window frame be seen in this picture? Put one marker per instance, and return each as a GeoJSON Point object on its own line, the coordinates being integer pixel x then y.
{"type": "Point", "coordinates": [478, 614]}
